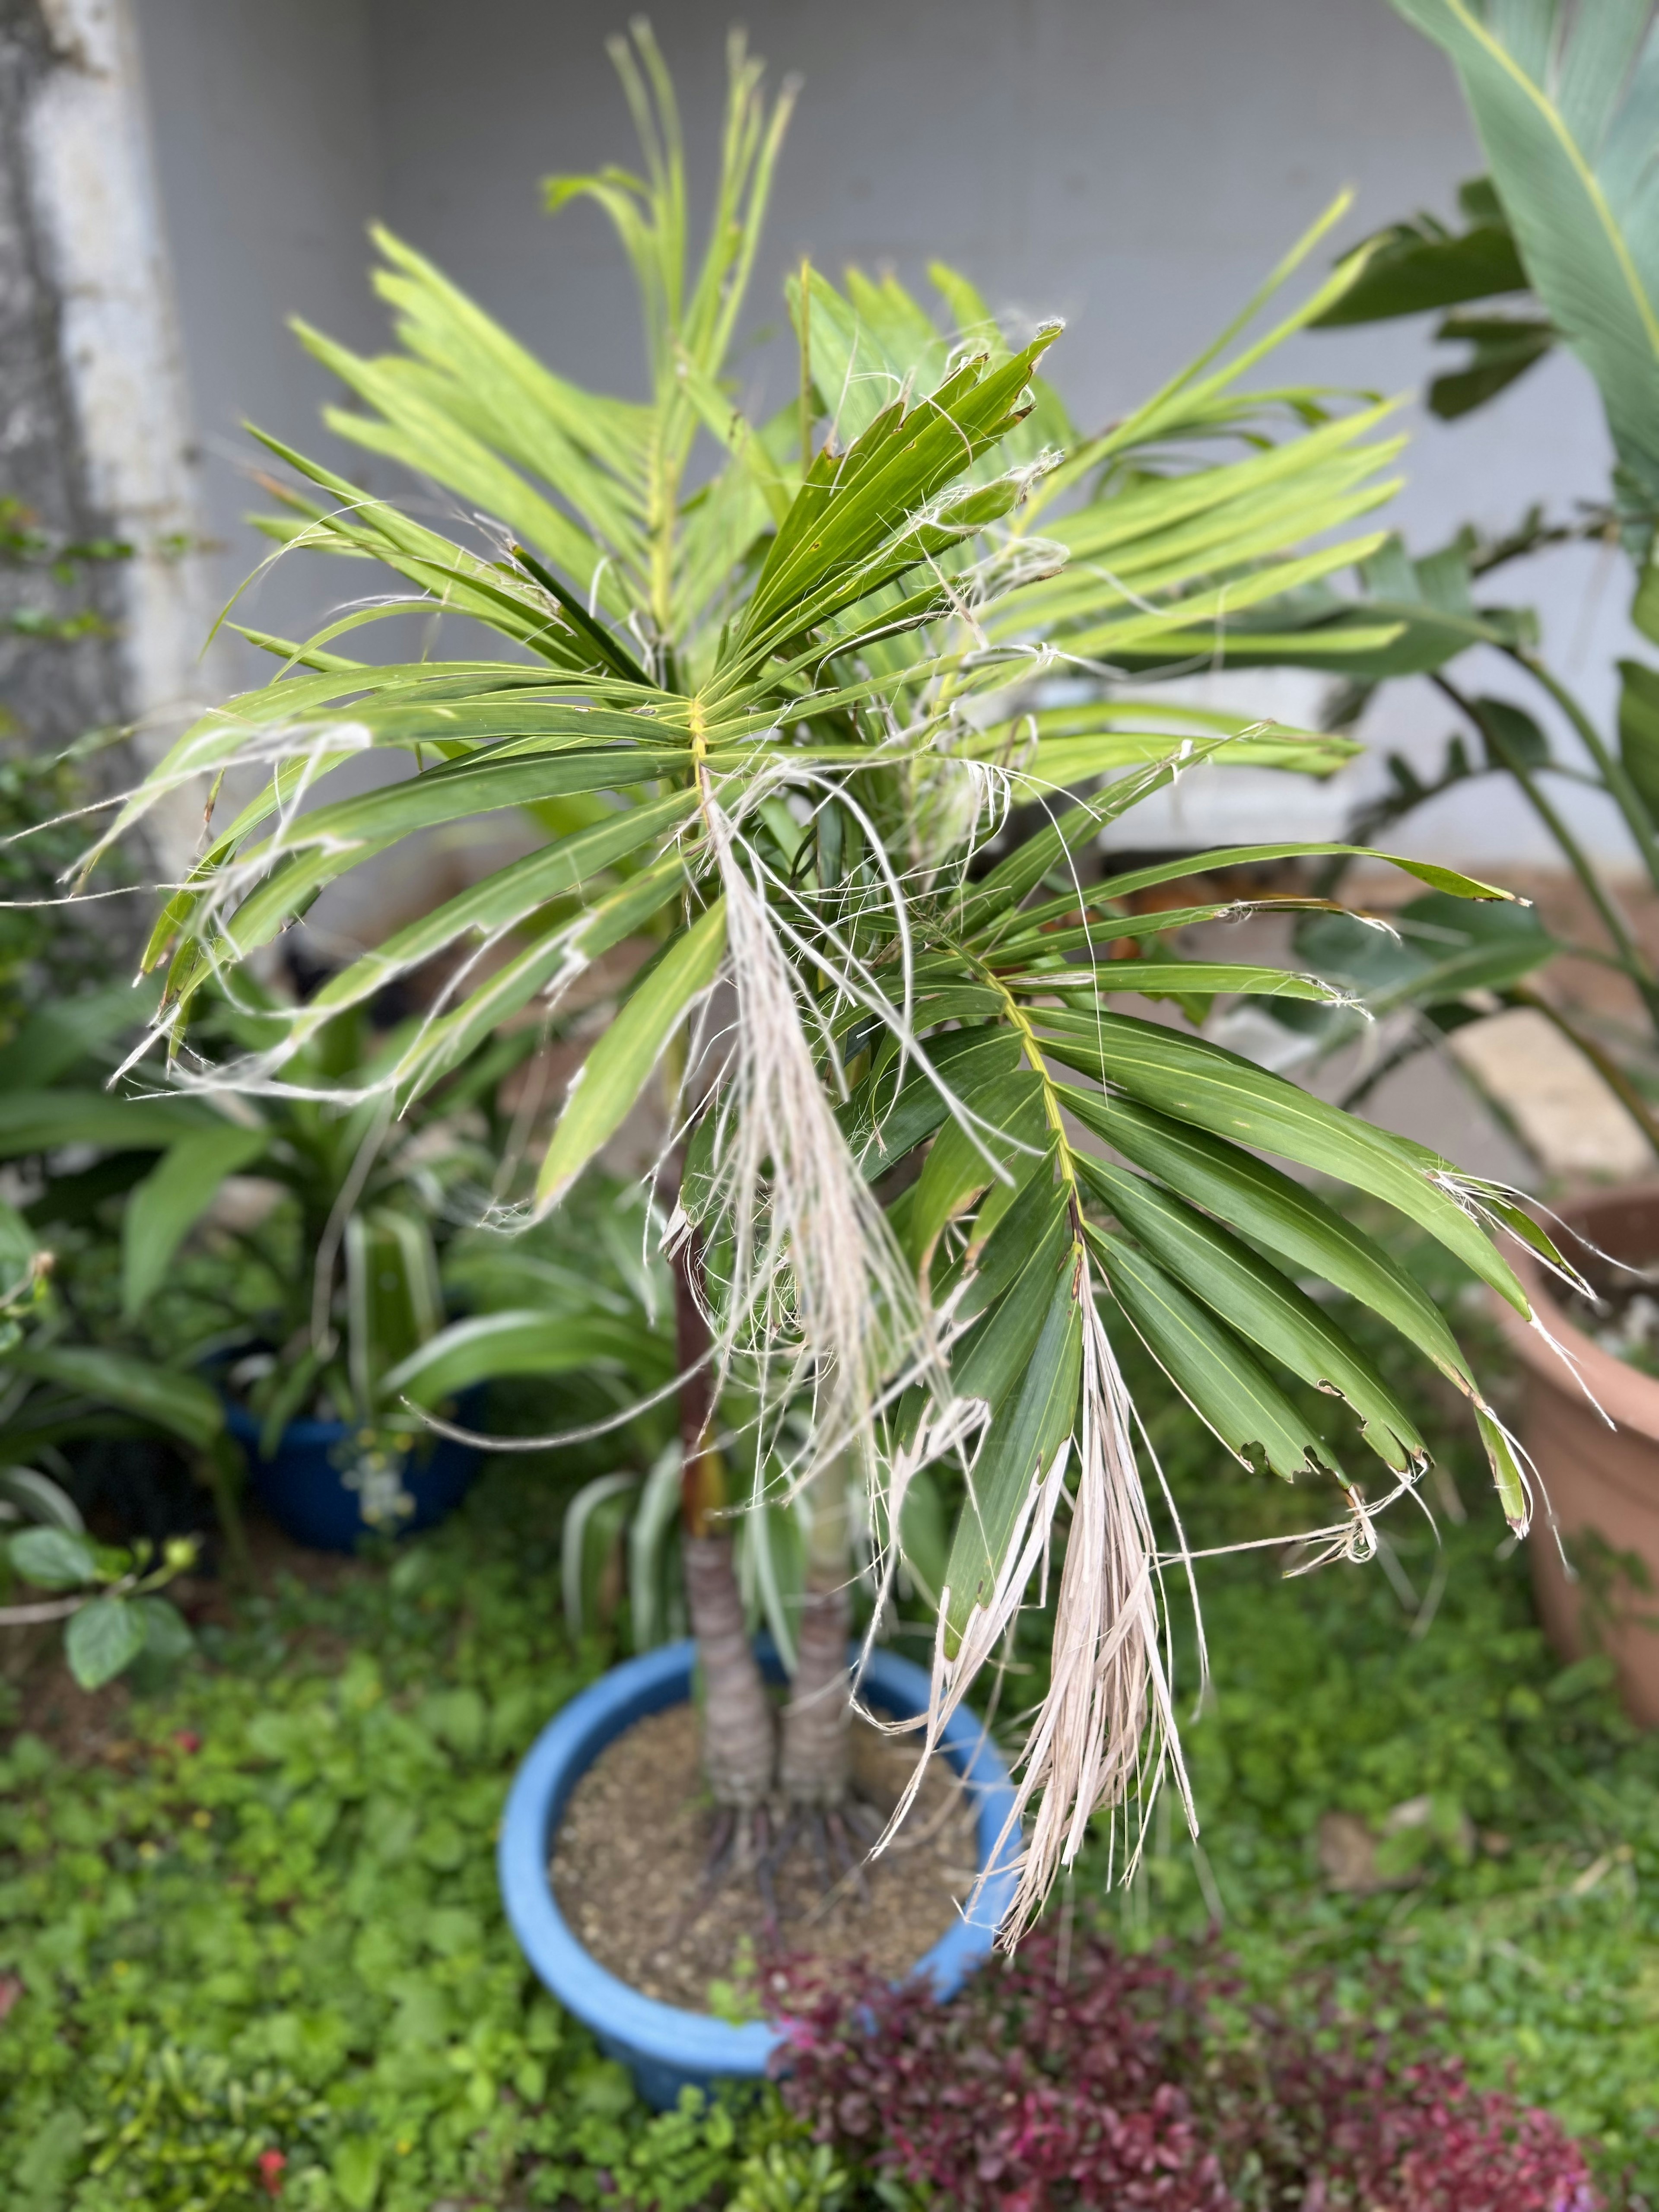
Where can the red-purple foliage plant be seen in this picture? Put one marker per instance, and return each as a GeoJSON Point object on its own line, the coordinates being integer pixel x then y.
{"type": "Point", "coordinates": [1111, 2085]}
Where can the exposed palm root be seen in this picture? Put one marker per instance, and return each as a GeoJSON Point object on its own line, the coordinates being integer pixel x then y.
{"type": "Point", "coordinates": [754, 1843]}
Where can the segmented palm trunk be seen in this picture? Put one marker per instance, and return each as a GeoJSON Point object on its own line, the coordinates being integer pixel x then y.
{"type": "Point", "coordinates": [738, 1735]}
{"type": "Point", "coordinates": [815, 1768]}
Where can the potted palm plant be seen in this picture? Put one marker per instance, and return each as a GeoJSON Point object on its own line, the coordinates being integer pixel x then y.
{"type": "Point", "coordinates": [776, 691]}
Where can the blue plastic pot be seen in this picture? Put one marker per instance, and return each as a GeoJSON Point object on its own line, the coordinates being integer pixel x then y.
{"type": "Point", "coordinates": [668, 2050]}
{"type": "Point", "coordinates": [312, 1487]}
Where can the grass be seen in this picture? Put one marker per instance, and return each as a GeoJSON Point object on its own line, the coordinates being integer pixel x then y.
{"type": "Point", "coordinates": [251, 1914]}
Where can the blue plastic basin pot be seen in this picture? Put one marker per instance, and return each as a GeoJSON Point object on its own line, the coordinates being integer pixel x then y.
{"type": "Point", "coordinates": [318, 1488]}
{"type": "Point", "coordinates": [667, 2049]}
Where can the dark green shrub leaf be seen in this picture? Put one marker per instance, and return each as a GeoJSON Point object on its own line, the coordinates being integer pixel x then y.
{"type": "Point", "coordinates": [101, 1639]}
{"type": "Point", "coordinates": [53, 1558]}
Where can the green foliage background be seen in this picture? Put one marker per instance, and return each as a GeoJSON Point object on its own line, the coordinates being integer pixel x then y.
{"type": "Point", "coordinates": [289, 1936]}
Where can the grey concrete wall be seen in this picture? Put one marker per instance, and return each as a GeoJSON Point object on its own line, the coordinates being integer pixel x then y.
{"type": "Point", "coordinates": [1134, 164]}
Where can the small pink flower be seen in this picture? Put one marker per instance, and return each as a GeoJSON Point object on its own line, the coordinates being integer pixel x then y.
{"type": "Point", "coordinates": [271, 2164]}
{"type": "Point", "coordinates": [187, 1740]}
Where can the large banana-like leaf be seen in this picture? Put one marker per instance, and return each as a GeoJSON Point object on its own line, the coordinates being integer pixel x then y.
{"type": "Point", "coordinates": [1563, 101]}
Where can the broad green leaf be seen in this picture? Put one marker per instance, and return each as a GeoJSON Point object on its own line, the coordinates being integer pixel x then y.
{"type": "Point", "coordinates": [1444, 948]}
{"type": "Point", "coordinates": [182, 1404]}
{"type": "Point", "coordinates": [166, 1633]}
{"type": "Point", "coordinates": [172, 1199]}
{"type": "Point", "coordinates": [615, 1072]}
{"type": "Point", "coordinates": [1566, 123]}
{"type": "Point", "coordinates": [102, 1639]}
{"type": "Point", "coordinates": [42, 1120]}
{"type": "Point", "coordinates": [55, 1558]}
{"type": "Point", "coordinates": [1414, 266]}
{"type": "Point", "coordinates": [40, 1499]}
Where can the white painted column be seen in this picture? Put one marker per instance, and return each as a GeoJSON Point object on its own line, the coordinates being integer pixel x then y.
{"type": "Point", "coordinates": [98, 215]}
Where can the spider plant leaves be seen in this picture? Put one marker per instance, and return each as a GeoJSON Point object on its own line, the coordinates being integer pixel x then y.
{"type": "Point", "coordinates": [183, 1405]}
{"type": "Point", "coordinates": [392, 1295]}
{"type": "Point", "coordinates": [615, 1069]}
{"type": "Point", "coordinates": [1032, 1426]}
{"type": "Point", "coordinates": [1563, 106]}
{"type": "Point", "coordinates": [524, 1341]}
{"type": "Point", "coordinates": [589, 1537]}
{"type": "Point", "coordinates": [1259, 1304]}
{"type": "Point", "coordinates": [172, 1197]}
{"type": "Point", "coordinates": [42, 1120]}
{"type": "Point", "coordinates": [1203, 1084]}
{"type": "Point", "coordinates": [1225, 1386]}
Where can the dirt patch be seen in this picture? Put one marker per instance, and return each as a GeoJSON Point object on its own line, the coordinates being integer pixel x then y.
{"type": "Point", "coordinates": [630, 1853]}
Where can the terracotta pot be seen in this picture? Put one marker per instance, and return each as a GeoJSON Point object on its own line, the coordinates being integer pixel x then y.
{"type": "Point", "coordinates": [1603, 1483]}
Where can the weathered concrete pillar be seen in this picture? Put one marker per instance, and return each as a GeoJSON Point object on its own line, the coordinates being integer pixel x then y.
{"type": "Point", "coordinates": [94, 423]}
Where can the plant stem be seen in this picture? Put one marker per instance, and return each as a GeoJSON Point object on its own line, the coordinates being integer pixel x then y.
{"type": "Point", "coordinates": [1619, 930]}
{"type": "Point", "coordinates": [814, 1766]}
{"type": "Point", "coordinates": [1614, 776]}
{"type": "Point", "coordinates": [222, 1471]}
{"type": "Point", "coordinates": [737, 1727]}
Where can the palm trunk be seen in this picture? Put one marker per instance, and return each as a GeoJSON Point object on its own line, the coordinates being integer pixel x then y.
{"type": "Point", "coordinates": [814, 1766]}
{"type": "Point", "coordinates": [738, 1734]}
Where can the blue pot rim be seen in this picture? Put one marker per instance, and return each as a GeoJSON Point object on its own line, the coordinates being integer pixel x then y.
{"type": "Point", "coordinates": [696, 2043]}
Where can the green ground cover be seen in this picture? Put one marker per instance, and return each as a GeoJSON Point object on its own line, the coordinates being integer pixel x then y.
{"type": "Point", "coordinates": [263, 1919]}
